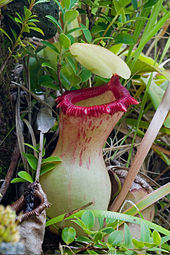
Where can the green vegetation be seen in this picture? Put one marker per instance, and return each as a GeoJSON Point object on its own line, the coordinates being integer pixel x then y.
{"type": "Point", "coordinates": [136, 31]}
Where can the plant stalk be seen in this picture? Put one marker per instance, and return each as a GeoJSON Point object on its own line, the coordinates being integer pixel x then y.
{"type": "Point", "coordinates": [154, 127]}
{"type": "Point", "coordinates": [40, 157]}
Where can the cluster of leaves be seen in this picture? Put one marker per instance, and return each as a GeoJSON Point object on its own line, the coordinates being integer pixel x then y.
{"type": "Point", "coordinates": [27, 22]}
{"type": "Point", "coordinates": [109, 240]}
{"type": "Point", "coordinates": [4, 2]}
{"type": "Point", "coordinates": [47, 165]}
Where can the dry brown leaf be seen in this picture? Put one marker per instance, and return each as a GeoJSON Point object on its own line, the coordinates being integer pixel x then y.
{"type": "Point", "coordinates": [32, 233]}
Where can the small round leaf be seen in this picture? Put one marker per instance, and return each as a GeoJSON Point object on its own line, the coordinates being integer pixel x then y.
{"type": "Point", "coordinates": [26, 176]}
{"type": "Point", "coordinates": [64, 41]}
{"type": "Point", "coordinates": [68, 235]}
{"type": "Point", "coordinates": [138, 244]}
{"type": "Point", "coordinates": [115, 237]}
{"type": "Point", "coordinates": [88, 219]}
{"type": "Point", "coordinates": [156, 237]}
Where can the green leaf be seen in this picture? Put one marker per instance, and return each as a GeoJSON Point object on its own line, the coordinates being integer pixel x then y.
{"type": "Point", "coordinates": [83, 239]}
{"type": "Point", "coordinates": [144, 125]}
{"type": "Point", "coordinates": [26, 176]}
{"type": "Point", "coordinates": [54, 21]}
{"type": "Point", "coordinates": [148, 34]}
{"type": "Point", "coordinates": [17, 20]}
{"type": "Point", "coordinates": [116, 48]}
{"type": "Point", "coordinates": [66, 4]}
{"type": "Point", "coordinates": [51, 159]}
{"type": "Point", "coordinates": [118, 7]}
{"type": "Point", "coordinates": [149, 245]}
{"type": "Point", "coordinates": [145, 233]}
{"type": "Point", "coordinates": [88, 219]}
{"type": "Point", "coordinates": [19, 16]}
{"type": "Point", "coordinates": [156, 93]}
{"type": "Point", "coordinates": [32, 160]}
{"type": "Point", "coordinates": [46, 64]}
{"type": "Point", "coordinates": [58, 3]}
{"type": "Point", "coordinates": [98, 237]}
{"type": "Point", "coordinates": [138, 244]}
{"type": "Point", "coordinates": [124, 38]}
{"type": "Point", "coordinates": [135, 4]}
{"type": "Point", "coordinates": [15, 180]}
{"type": "Point", "coordinates": [71, 62]}
{"type": "Point", "coordinates": [4, 32]}
{"type": "Point", "coordinates": [68, 235]}
{"type": "Point", "coordinates": [101, 222]}
{"type": "Point", "coordinates": [45, 168]}
{"type": "Point", "coordinates": [146, 64]}
{"type": "Point", "coordinates": [39, 30]}
{"type": "Point", "coordinates": [32, 147]}
{"type": "Point", "coordinates": [41, 1]}
{"type": "Point", "coordinates": [150, 3]}
{"type": "Point", "coordinates": [128, 237]}
{"type": "Point", "coordinates": [107, 230]}
{"type": "Point", "coordinates": [51, 46]}
{"type": "Point", "coordinates": [26, 30]}
{"type": "Point", "coordinates": [64, 41]}
{"type": "Point", "coordinates": [114, 216]}
{"type": "Point", "coordinates": [165, 239]}
{"type": "Point", "coordinates": [70, 15]}
{"type": "Point", "coordinates": [156, 237]}
{"type": "Point", "coordinates": [86, 33]}
{"type": "Point", "coordinates": [80, 223]}
{"type": "Point", "coordinates": [155, 249]}
{"type": "Point", "coordinates": [91, 252]}
{"type": "Point", "coordinates": [73, 30]}
{"type": "Point", "coordinates": [27, 12]}
{"type": "Point", "coordinates": [85, 75]}
{"type": "Point", "coordinates": [130, 252]}
{"type": "Point", "coordinates": [33, 20]}
{"type": "Point", "coordinates": [116, 237]}
{"type": "Point", "coordinates": [4, 2]}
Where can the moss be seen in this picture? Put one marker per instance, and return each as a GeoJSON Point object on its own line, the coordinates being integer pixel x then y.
{"type": "Point", "coordinates": [8, 228]}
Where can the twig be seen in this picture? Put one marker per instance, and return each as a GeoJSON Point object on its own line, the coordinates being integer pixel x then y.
{"type": "Point", "coordinates": [77, 210]}
{"type": "Point", "coordinates": [144, 148]}
{"type": "Point", "coordinates": [58, 76]}
{"type": "Point", "coordinates": [34, 96]}
{"type": "Point", "coordinates": [4, 64]}
{"type": "Point", "coordinates": [119, 147]}
{"type": "Point", "coordinates": [162, 173]}
{"type": "Point", "coordinates": [10, 172]}
{"type": "Point", "coordinates": [39, 157]}
{"type": "Point", "coordinates": [159, 36]}
{"type": "Point", "coordinates": [19, 131]}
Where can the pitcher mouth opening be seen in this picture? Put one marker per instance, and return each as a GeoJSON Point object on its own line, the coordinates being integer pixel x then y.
{"type": "Point", "coordinates": [105, 99]}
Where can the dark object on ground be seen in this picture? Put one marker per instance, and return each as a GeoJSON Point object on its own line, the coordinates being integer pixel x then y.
{"type": "Point", "coordinates": [41, 10]}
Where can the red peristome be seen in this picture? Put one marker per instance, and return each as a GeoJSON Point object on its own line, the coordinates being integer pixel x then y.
{"type": "Point", "coordinates": [122, 100]}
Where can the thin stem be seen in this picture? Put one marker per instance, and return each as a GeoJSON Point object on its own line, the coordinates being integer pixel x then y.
{"type": "Point", "coordinates": [34, 96]}
{"type": "Point", "coordinates": [58, 76]}
{"type": "Point", "coordinates": [111, 23]}
{"type": "Point", "coordinates": [40, 156]}
{"type": "Point", "coordinates": [10, 172]}
{"type": "Point", "coordinates": [158, 37]}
